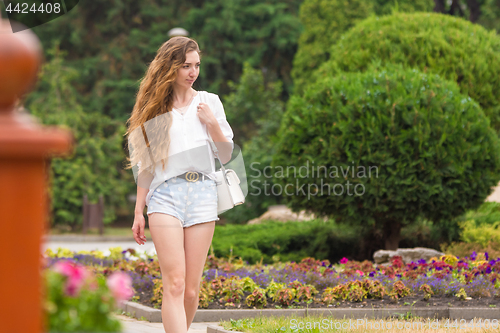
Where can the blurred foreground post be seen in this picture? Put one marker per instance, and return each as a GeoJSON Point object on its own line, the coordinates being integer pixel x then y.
{"type": "Point", "coordinates": [25, 150]}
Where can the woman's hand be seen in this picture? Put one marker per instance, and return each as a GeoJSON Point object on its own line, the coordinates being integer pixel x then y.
{"type": "Point", "coordinates": [138, 229]}
{"type": "Point", "coordinates": [206, 115]}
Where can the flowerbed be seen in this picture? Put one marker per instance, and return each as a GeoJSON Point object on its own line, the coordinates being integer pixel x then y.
{"type": "Point", "coordinates": [231, 283]}
{"type": "Point", "coordinates": [80, 299]}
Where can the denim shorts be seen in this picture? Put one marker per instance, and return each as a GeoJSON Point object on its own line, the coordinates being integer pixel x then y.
{"type": "Point", "coordinates": [191, 202]}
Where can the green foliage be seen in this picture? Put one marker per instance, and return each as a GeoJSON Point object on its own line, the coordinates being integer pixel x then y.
{"type": "Point", "coordinates": [481, 234]}
{"type": "Point", "coordinates": [158, 292]}
{"type": "Point", "coordinates": [264, 33]}
{"type": "Point", "coordinates": [325, 21]}
{"type": "Point", "coordinates": [273, 287]}
{"type": "Point", "coordinates": [232, 292]}
{"type": "Point", "coordinates": [291, 241]}
{"type": "Point", "coordinates": [440, 44]}
{"type": "Point", "coordinates": [461, 295]}
{"type": "Point", "coordinates": [399, 290]}
{"type": "Point", "coordinates": [284, 296]}
{"type": "Point", "coordinates": [490, 15]}
{"type": "Point", "coordinates": [386, 7]}
{"type": "Point", "coordinates": [487, 214]}
{"type": "Point", "coordinates": [112, 42]}
{"type": "Point", "coordinates": [417, 146]}
{"type": "Point", "coordinates": [427, 290]}
{"type": "Point", "coordinates": [248, 284]}
{"type": "Point", "coordinates": [89, 311]}
{"type": "Point", "coordinates": [354, 291]}
{"type": "Point", "coordinates": [254, 111]}
{"type": "Point", "coordinates": [251, 103]}
{"type": "Point", "coordinates": [94, 166]}
{"type": "Point", "coordinates": [205, 295]}
{"type": "Point", "coordinates": [257, 298]}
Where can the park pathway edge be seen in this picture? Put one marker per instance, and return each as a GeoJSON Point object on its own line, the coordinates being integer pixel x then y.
{"type": "Point", "coordinates": [203, 315]}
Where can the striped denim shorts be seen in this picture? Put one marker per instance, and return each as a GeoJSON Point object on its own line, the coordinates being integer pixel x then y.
{"type": "Point", "coordinates": [190, 202]}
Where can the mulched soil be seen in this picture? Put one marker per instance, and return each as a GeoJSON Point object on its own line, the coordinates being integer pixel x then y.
{"type": "Point", "coordinates": [404, 303]}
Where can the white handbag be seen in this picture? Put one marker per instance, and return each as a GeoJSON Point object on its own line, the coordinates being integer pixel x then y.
{"type": "Point", "coordinates": [229, 193]}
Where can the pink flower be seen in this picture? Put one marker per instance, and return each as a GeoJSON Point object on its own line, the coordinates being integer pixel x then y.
{"type": "Point", "coordinates": [360, 272]}
{"type": "Point", "coordinates": [76, 276]}
{"type": "Point", "coordinates": [120, 285]}
{"type": "Point", "coordinates": [344, 260]}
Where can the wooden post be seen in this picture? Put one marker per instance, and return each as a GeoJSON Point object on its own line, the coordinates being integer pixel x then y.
{"type": "Point", "coordinates": [93, 215]}
{"type": "Point", "coordinates": [85, 207]}
{"type": "Point", "coordinates": [25, 151]}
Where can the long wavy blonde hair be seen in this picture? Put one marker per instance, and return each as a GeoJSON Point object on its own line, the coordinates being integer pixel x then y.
{"type": "Point", "coordinates": [150, 122]}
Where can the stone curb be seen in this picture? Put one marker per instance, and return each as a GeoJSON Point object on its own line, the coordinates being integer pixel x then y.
{"type": "Point", "coordinates": [154, 315]}
{"type": "Point", "coordinates": [86, 238]}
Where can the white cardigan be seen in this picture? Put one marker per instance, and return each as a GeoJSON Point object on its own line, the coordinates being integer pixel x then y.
{"type": "Point", "coordinates": [189, 145]}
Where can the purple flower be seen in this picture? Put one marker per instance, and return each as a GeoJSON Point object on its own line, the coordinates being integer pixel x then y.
{"type": "Point", "coordinates": [372, 274]}
{"type": "Point", "coordinates": [486, 255]}
{"type": "Point", "coordinates": [473, 256]}
{"type": "Point", "coordinates": [488, 270]}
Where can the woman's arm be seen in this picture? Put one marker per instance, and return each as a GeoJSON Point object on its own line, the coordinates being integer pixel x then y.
{"type": "Point", "coordinates": [221, 142]}
{"type": "Point", "coordinates": [141, 200]}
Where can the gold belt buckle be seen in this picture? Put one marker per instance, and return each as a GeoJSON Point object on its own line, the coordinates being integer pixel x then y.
{"type": "Point", "coordinates": [192, 176]}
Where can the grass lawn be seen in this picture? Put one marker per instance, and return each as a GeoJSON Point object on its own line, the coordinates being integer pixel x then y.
{"type": "Point", "coordinates": [316, 324]}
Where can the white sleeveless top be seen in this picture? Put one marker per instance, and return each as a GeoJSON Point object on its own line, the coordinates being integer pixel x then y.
{"type": "Point", "coordinates": [189, 148]}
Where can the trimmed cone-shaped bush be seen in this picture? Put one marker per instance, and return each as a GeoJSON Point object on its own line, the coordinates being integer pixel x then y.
{"type": "Point", "coordinates": [381, 148]}
{"type": "Point", "coordinates": [454, 48]}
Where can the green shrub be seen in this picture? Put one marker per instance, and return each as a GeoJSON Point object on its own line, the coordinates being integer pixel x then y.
{"type": "Point", "coordinates": [490, 14]}
{"type": "Point", "coordinates": [487, 214]}
{"type": "Point", "coordinates": [463, 249]}
{"type": "Point", "coordinates": [325, 21]}
{"type": "Point", "coordinates": [386, 7]}
{"type": "Point", "coordinates": [417, 145]}
{"type": "Point", "coordinates": [473, 233]}
{"type": "Point", "coordinates": [441, 44]}
{"type": "Point", "coordinates": [290, 241]}
{"type": "Point", "coordinates": [256, 112]}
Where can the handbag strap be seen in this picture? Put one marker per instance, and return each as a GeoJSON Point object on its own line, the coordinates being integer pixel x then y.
{"type": "Point", "coordinates": [212, 144]}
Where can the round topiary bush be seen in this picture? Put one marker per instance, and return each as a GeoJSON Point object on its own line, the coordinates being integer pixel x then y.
{"type": "Point", "coordinates": [325, 21]}
{"type": "Point", "coordinates": [383, 148]}
{"type": "Point", "coordinates": [451, 47]}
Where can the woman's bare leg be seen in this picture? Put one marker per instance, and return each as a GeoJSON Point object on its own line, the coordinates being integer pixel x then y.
{"type": "Point", "coordinates": [197, 240]}
{"type": "Point", "coordinates": [168, 238]}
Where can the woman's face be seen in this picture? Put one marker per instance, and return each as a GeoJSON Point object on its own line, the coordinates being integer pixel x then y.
{"type": "Point", "coordinates": [188, 73]}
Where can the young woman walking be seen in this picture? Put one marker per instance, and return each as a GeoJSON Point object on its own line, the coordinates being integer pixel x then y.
{"type": "Point", "coordinates": [168, 142]}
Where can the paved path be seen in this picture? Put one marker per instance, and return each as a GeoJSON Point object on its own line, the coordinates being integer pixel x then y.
{"type": "Point", "coordinates": [103, 246]}
{"type": "Point", "coordinates": [138, 326]}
